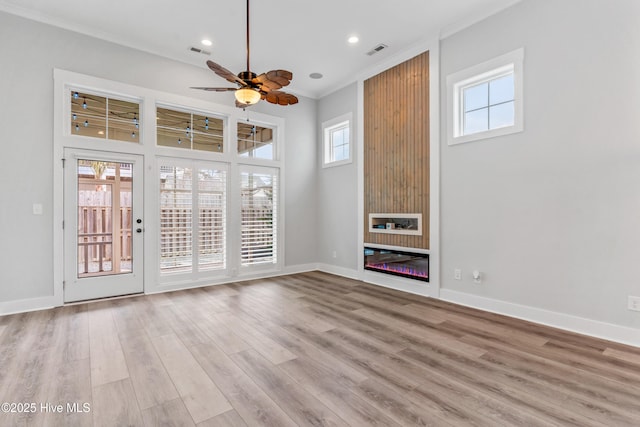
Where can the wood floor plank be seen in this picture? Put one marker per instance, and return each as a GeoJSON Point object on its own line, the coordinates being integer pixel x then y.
{"type": "Point", "coordinates": [107, 359]}
{"type": "Point", "coordinates": [169, 414]}
{"type": "Point", "coordinates": [468, 406]}
{"type": "Point", "coordinates": [422, 334]}
{"type": "Point", "coordinates": [322, 359]}
{"type": "Point", "coordinates": [397, 407]}
{"type": "Point", "coordinates": [567, 377]}
{"type": "Point", "coordinates": [73, 341]}
{"type": "Point", "coordinates": [308, 349]}
{"type": "Point", "coordinates": [228, 419]}
{"type": "Point", "coordinates": [114, 404]}
{"type": "Point", "coordinates": [250, 401]}
{"type": "Point", "coordinates": [149, 378]}
{"type": "Point", "coordinates": [71, 388]}
{"type": "Point", "coordinates": [284, 312]}
{"type": "Point", "coordinates": [517, 390]}
{"type": "Point", "coordinates": [333, 391]}
{"type": "Point", "coordinates": [124, 314]}
{"type": "Point", "coordinates": [301, 406]}
{"type": "Point", "coordinates": [623, 355]}
{"type": "Point", "coordinates": [358, 323]}
{"type": "Point", "coordinates": [359, 360]}
{"type": "Point", "coordinates": [264, 345]}
{"type": "Point", "coordinates": [200, 395]}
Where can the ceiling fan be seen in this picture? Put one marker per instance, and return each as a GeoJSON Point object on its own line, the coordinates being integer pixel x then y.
{"type": "Point", "coordinates": [251, 87]}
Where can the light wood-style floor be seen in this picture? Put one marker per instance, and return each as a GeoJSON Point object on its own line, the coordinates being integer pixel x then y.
{"type": "Point", "coordinates": [308, 349]}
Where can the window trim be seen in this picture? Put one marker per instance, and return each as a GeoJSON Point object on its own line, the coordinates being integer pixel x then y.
{"type": "Point", "coordinates": [478, 74]}
{"type": "Point", "coordinates": [327, 127]}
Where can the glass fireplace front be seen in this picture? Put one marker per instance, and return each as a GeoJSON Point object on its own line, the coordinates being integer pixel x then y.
{"type": "Point", "coordinates": [399, 263]}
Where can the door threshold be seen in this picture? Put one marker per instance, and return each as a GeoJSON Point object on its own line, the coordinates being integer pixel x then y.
{"type": "Point", "coordinates": [89, 301]}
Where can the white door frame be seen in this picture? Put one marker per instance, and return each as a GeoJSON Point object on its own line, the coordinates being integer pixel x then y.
{"type": "Point", "coordinates": [76, 288]}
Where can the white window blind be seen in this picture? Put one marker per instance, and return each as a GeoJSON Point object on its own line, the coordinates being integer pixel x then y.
{"type": "Point", "coordinates": [193, 218]}
{"type": "Point", "coordinates": [259, 194]}
{"type": "Point", "coordinates": [212, 212]}
{"type": "Point", "coordinates": [176, 219]}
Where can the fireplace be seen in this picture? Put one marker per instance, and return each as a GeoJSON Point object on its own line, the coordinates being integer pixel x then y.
{"type": "Point", "coordinates": [408, 264]}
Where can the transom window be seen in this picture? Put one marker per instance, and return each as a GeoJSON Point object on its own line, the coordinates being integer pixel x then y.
{"type": "Point", "coordinates": [486, 99]}
{"type": "Point", "coordinates": [189, 130]}
{"type": "Point", "coordinates": [255, 141]}
{"type": "Point", "coordinates": [102, 117]}
{"type": "Point", "coordinates": [337, 141]}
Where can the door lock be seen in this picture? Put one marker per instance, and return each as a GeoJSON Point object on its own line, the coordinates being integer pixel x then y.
{"type": "Point", "coordinates": [139, 221]}
{"type": "Point", "coordinates": [138, 230]}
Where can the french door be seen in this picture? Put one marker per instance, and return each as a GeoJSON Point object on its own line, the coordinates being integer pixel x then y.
{"type": "Point", "coordinates": [103, 224]}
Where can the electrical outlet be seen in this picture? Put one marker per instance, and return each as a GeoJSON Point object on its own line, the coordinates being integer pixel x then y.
{"type": "Point", "coordinates": [477, 277]}
{"type": "Point", "coordinates": [634, 303]}
{"type": "Point", "coordinates": [457, 274]}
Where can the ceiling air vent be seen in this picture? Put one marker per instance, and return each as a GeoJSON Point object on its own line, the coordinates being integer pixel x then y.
{"type": "Point", "coordinates": [377, 49]}
{"type": "Point", "coordinates": [198, 50]}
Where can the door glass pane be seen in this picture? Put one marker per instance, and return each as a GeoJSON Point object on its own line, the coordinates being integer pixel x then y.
{"type": "Point", "coordinates": [104, 218]}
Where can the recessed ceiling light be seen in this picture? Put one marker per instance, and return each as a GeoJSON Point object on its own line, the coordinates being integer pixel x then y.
{"type": "Point", "coordinates": [315, 75]}
{"type": "Point", "coordinates": [206, 42]}
{"type": "Point", "coordinates": [353, 39]}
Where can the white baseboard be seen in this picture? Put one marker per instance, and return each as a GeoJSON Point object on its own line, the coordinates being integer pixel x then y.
{"type": "Point", "coordinates": [300, 268]}
{"type": "Point", "coordinates": [29, 304]}
{"type": "Point", "coordinates": [339, 271]}
{"type": "Point", "coordinates": [594, 328]}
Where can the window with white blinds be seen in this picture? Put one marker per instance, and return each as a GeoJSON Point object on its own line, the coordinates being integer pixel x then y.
{"type": "Point", "coordinates": [176, 219]}
{"type": "Point", "coordinates": [193, 209]}
{"type": "Point", "coordinates": [259, 210]}
{"type": "Point", "coordinates": [212, 213]}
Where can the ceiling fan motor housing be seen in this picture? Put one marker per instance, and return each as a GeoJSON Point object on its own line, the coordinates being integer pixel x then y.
{"type": "Point", "coordinates": [247, 76]}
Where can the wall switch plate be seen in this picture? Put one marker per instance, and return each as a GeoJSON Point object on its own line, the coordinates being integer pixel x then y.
{"type": "Point", "coordinates": [457, 274]}
{"type": "Point", "coordinates": [335, 254]}
{"type": "Point", "coordinates": [37, 209]}
{"type": "Point", "coordinates": [634, 303]}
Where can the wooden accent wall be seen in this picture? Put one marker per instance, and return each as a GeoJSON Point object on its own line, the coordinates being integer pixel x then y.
{"type": "Point", "coordinates": [396, 148]}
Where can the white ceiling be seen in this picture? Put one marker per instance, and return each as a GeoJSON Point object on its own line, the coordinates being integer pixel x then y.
{"type": "Point", "coordinates": [297, 35]}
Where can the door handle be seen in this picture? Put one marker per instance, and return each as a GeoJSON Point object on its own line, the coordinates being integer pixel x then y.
{"type": "Point", "coordinates": [139, 221]}
{"type": "Point", "coordinates": [138, 230]}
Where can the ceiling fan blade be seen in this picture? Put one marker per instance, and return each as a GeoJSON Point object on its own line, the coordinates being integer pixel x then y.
{"type": "Point", "coordinates": [216, 89]}
{"type": "Point", "coordinates": [280, 98]}
{"type": "Point", "coordinates": [224, 73]}
{"type": "Point", "coordinates": [274, 79]}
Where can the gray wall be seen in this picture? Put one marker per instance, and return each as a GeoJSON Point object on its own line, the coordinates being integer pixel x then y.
{"type": "Point", "coordinates": [337, 223]}
{"type": "Point", "coordinates": [551, 215]}
{"type": "Point", "coordinates": [29, 52]}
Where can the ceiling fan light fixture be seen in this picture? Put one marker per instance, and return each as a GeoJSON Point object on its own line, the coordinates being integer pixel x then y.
{"type": "Point", "coordinates": [247, 96]}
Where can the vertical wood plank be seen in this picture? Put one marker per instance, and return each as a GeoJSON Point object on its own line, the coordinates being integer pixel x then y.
{"type": "Point", "coordinates": [396, 148]}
